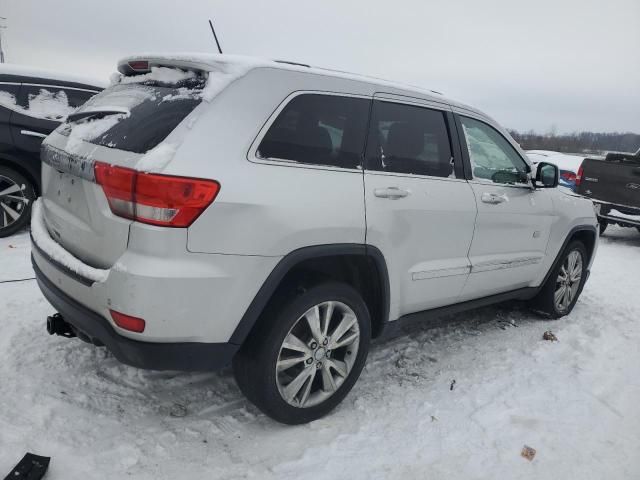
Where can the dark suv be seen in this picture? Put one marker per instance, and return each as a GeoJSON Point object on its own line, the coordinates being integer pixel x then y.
{"type": "Point", "coordinates": [32, 105]}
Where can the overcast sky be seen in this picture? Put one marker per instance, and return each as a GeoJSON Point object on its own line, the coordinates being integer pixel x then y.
{"type": "Point", "coordinates": [572, 64]}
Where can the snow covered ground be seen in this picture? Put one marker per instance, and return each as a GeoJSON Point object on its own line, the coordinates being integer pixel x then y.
{"type": "Point", "coordinates": [576, 401]}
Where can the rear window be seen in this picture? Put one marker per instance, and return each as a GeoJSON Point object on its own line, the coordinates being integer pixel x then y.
{"type": "Point", "coordinates": [155, 108]}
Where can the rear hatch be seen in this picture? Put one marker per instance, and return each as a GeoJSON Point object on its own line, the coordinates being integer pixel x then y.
{"type": "Point", "coordinates": [117, 127]}
{"type": "Point", "coordinates": [614, 180]}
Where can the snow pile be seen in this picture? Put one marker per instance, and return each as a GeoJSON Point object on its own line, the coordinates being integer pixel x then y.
{"type": "Point", "coordinates": [90, 129]}
{"type": "Point", "coordinates": [50, 105]}
{"type": "Point", "coordinates": [44, 241]}
{"type": "Point", "coordinates": [221, 75]}
{"type": "Point", "coordinates": [46, 104]}
{"type": "Point", "coordinates": [8, 100]}
{"type": "Point", "coordinates": [160, 74]}
{"type": "Point", "coordinates": [615, 213]}
{"type": "Point", "coordinates": [157, 158]}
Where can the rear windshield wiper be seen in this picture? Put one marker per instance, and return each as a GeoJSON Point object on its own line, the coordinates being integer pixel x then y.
{"type": "Point", "coordinates": [97, 112]}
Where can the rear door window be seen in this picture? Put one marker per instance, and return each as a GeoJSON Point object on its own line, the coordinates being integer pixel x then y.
{"type": "Point", "coordinates": [8, 100]}
{"type": "Point", "coordinates": [153, 109]}
{"type": "Point", "coordinates": [320, 130]}
{"type": "Point", "coordinates": [51, 102]}
{"type": "Point", "coordinates": [409, 139]}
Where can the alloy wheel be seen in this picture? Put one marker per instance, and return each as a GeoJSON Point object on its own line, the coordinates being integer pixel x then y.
{"type": "Point", "coordinates": [568, 281]}
{"type": "Point", "coordinates": [13, 201]}
{"type": "Point", "coordinates": [317, 354]}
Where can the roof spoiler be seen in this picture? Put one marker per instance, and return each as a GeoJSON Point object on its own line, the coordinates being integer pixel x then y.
{"type": "Point", "coordinates": [143, 64]}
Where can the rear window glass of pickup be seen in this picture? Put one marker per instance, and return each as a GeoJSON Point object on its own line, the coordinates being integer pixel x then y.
{"type": "Point", "coordinates": [155, 110]}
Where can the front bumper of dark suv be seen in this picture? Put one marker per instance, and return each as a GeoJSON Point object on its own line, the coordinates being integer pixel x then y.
{"type": "Point", "coordinates": [90, 326]}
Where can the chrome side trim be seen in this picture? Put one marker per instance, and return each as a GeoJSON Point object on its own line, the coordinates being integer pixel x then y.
{"type": "Point", "coordinates": [443, 272]}
{"type": "Point", "coordinates": [502, 264]}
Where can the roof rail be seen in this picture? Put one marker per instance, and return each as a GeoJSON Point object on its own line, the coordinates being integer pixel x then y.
{"type": "Point", "coordinates": [293, 63]}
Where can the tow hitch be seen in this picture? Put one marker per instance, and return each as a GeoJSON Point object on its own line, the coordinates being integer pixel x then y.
{"type": "Point", "coordinates": [57, 326]}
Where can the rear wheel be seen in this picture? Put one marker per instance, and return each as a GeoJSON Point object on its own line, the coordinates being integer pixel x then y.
{"type": "Point", "coordinates": [306, 356]}
{"type": "Point", "coordinates": [563, 287]}
{"type": "Point", "coordinates": [17, 194]}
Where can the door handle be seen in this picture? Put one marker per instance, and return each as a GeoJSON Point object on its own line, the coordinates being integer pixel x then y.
{"type": "Point", "coordinates": [392, 193]}
{"type": "Point", "coordinates": [29, 133]}
{"type": "Point", "coordinates": [494, 198]}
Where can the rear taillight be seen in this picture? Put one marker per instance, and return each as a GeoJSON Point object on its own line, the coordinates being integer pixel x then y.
{"type": "Point", "coordinates": [579, 176]}
{"type": "Point", "coordinates": [162, 200]}
{"type": "Point", "coordinates": [568, 176]}
{"type": "Point", "coordinates": [127, 322]}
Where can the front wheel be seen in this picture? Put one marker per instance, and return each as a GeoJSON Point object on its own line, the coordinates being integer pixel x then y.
{"type": "Point", "coordinates": [17, 194]}
{"type": "Point", "coordinates": [560, 292]}
{"type": "Point", "coordinates": [305, 357]}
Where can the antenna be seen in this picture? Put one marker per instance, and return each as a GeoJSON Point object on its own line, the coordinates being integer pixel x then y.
{"type": "Point", "coordinates": [215, 37]}
{"type": "Point", "coordinates": [2, 27]}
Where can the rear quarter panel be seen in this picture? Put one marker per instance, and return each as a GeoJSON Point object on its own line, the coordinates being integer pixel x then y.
{"type": "Point", "coordinates": [267, 208]}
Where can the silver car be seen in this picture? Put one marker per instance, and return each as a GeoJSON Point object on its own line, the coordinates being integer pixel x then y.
{"type": "Point", "coordinates": [213, 210]}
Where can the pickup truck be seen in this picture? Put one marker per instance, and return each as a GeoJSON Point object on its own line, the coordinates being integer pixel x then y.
{"type": "Point", "coordinates": [614, 186]}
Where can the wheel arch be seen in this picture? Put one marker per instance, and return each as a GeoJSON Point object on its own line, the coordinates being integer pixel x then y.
{"type": "Point", "coordinates": [587, 234]}
{"type": "Point", "coordinates": [25, 166]}
{"type": "Point", "coordinates": [362, 266]}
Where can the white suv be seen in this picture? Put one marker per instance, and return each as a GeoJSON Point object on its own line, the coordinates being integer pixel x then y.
{"type": "Point", "coordinates": [208, 210]}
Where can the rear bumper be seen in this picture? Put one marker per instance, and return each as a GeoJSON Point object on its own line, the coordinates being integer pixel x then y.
{"type": "Point", "coordinates": [620, 214]}
{"type": "Point", "coordinates": [187, 356]}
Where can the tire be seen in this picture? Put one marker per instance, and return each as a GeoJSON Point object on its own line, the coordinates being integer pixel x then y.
{"type": "Point", "coordinates": [545, 301]}
{"type": "Point", "coordinates": [17, 195]}
{"type": "Point", "coordinates": [255, 364]}
{"type": "Point", "coordinates": [603, 226]}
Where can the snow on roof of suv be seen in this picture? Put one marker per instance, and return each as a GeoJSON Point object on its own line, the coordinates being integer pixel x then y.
{"type": "Point", "coordinates": [239, 65]}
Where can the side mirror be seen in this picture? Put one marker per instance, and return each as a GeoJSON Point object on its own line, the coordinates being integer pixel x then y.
{"type": "Point", "coordinates": [547, 175]}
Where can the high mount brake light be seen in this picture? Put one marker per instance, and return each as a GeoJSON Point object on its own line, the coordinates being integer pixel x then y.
{"type": "Point", "coordinates": [163, 200]}
{"type": "Point", "coordinates": [139, 65]}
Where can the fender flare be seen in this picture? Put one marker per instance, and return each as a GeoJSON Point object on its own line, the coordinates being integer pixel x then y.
{"type": "Point", "coordinates": [295, 257]}
{"type": "Point", "coordinates": [578, 228]}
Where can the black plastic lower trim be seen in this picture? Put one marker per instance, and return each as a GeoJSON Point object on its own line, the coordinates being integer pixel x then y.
{"type": "Point", "coordinates": [187, 356]}
{"type": "Point", "coordinates": [395, 328]}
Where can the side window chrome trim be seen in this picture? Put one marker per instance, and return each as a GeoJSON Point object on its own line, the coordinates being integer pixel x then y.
{"type": "Point", "coordinates": [252, 154]}
{"type": "Point", "coordinates": [414, 101]}
{"type": "Point", "coordinates": [414, 175]}
{"type": "Point", "coordinates": [60, 87]}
